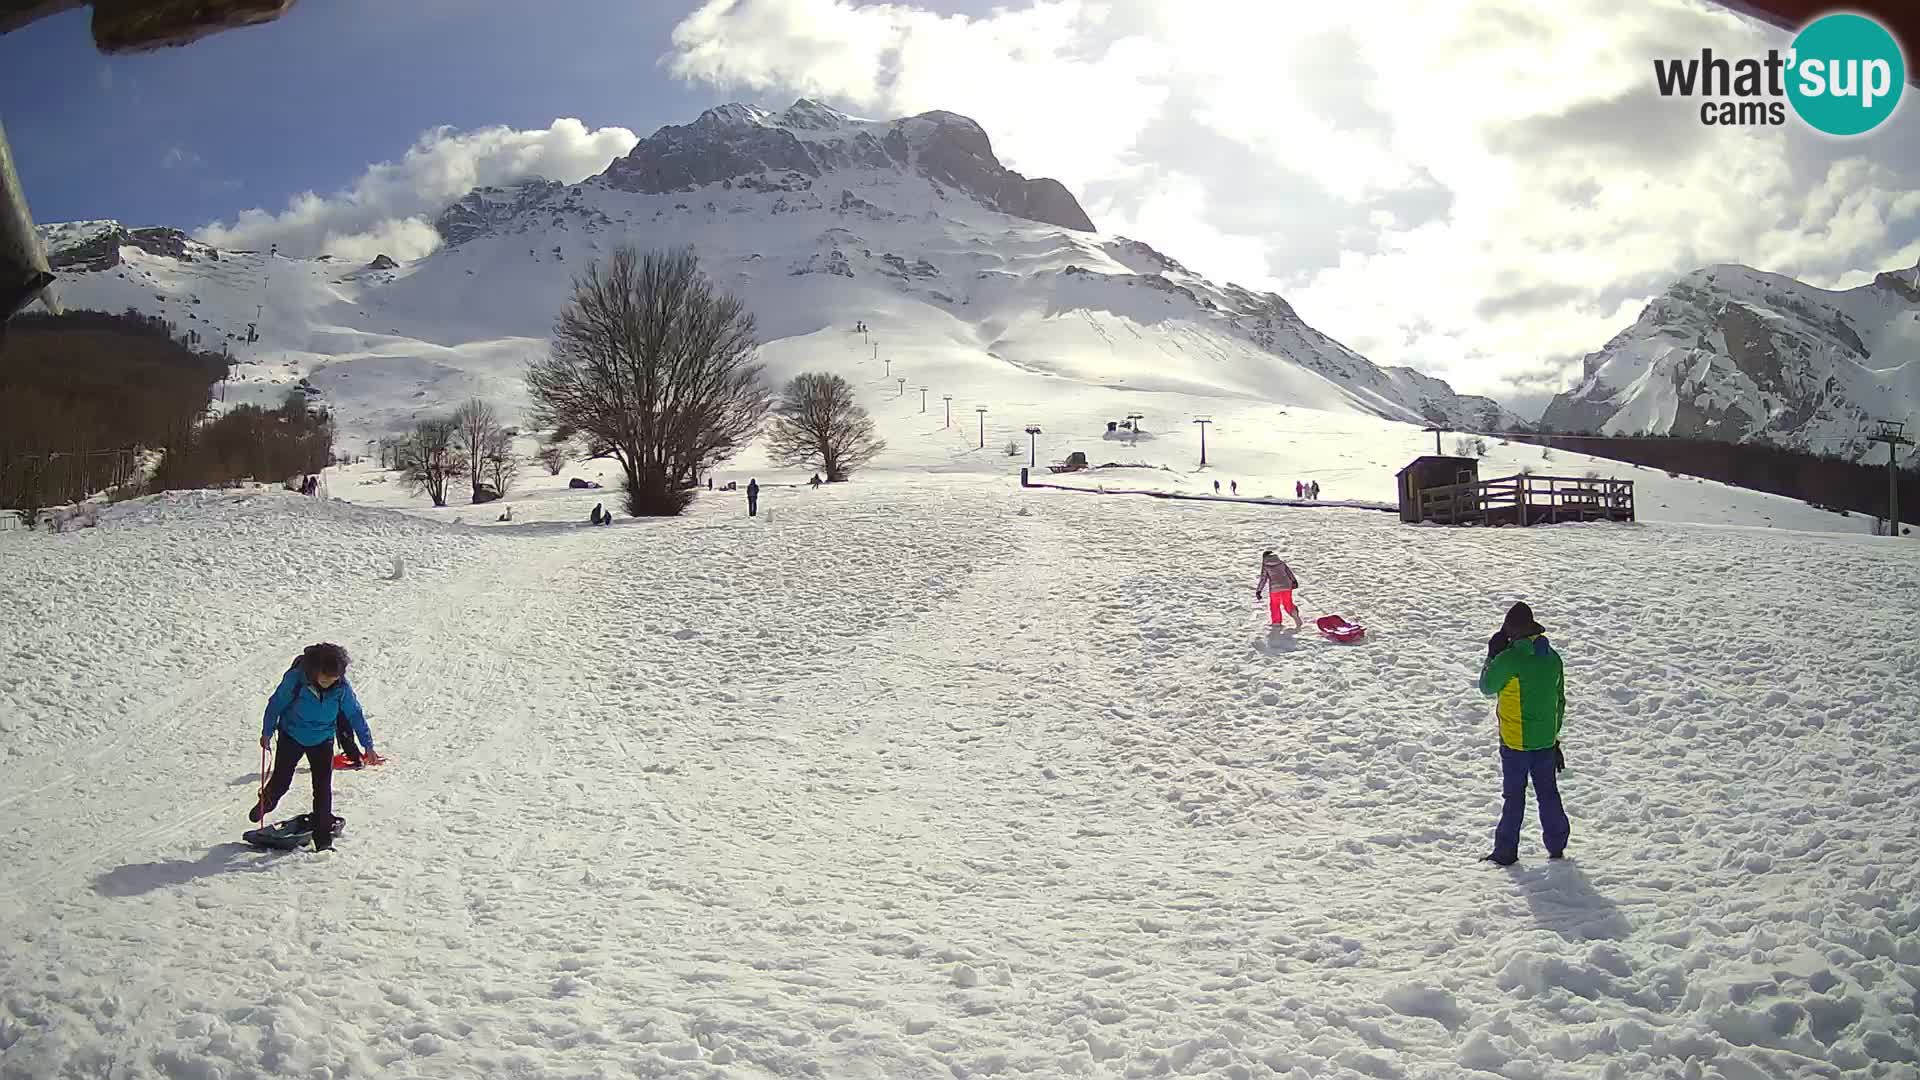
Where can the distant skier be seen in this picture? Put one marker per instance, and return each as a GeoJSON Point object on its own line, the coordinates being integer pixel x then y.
{"type": "Point", "coordinates": [1526, 676]}
{"type": "Point", "coordinates": [1277, 580]}
{"type": "Point", "coordinates": [304, 711]}
{"type": "Point", "coordinates": [753, 498]}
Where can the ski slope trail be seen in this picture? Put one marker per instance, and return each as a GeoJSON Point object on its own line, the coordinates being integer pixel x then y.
{"type": "Point", "coordinates": [950, 780]}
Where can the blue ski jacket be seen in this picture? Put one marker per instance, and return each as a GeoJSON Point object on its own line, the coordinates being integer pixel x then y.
{"type": "Point", "coordinates": [308, 715]}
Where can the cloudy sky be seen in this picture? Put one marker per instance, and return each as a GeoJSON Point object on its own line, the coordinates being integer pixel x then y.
{"type": "Point", "coordinates": [1471, 187]}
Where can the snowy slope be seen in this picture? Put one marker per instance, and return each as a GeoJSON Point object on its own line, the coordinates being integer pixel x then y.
{"type": "Point", "coordinates": [997, 352]}
{"type": "Point", "coordinates": [909, 225]}
{"type": "Point", "coordinates": [1730, 352]}
{"type": "Point", "coordinates": [935, 778]}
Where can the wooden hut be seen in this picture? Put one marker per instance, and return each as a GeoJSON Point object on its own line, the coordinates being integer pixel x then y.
{"type": "Point", "coordinates": [1432, 471]}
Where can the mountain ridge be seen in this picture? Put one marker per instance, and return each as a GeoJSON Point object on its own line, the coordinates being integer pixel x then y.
{"type": "Point", "coordinates": [1734, 353]}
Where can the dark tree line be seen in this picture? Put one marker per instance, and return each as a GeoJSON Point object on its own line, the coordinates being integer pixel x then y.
{"type": "Point", "coordinates": [1823, 481]}
{"type": "Point", "coordinates": [86, 381]}
{"type": "Point", "coordinates": [89, 379]}
{"type": "Point", "coordinates": [249, 441]}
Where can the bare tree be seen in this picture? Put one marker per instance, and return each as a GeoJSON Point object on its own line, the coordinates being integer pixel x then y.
{"type": "Point", "coordinates": [817, 423]}
{"type": "Point", "coordinates": [553, 455]}
{"type": "Point", "coordinates": [477, 427]}
{"type": "Point", "coordinates": [502, 464]}
{"type": "Point", "coordinates": [429, 457]}
{"type": "Point", "coordinates": [652, 364]}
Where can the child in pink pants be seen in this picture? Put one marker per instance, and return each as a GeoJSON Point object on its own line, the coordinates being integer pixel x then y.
{"type": "Point", "coordinates": [1277, 578]}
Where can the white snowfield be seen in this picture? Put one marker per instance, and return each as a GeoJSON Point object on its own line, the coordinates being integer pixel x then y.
{"type": "Point", "coordinates": [928, 776]}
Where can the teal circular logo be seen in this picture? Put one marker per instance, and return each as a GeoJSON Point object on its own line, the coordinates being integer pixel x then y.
{"type": "Point", "coordinates": [1846, 74]}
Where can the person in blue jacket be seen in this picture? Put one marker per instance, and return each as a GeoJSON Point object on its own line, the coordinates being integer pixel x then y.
{"type": "Point", "coordinates": [313, 696]}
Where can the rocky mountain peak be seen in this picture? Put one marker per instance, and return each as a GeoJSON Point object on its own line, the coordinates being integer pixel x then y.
{"type": "Point", "coordinates": [738, 143]}
{"type": "Point", "coordinates": [807, 114]}
{"type": "Point", "coordinates": [732, 115]}
{"type": "Point", "coordinates": [481, 210]}
{"type": "Point", "coordinates": [1730, 352]}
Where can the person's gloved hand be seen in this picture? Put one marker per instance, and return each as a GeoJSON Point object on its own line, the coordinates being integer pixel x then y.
{"type": "Point", "coordinates": [1559, 759]}
{"type": "Point", "coordinates": [1497, 644]}
{"type": "Point", "coordinates": [266, 741]}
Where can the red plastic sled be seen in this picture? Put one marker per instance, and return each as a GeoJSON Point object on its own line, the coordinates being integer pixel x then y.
{"type": "Point", "coordinates": [340, 761]}
{"type": "Point", "coordinates": [1341, 630]}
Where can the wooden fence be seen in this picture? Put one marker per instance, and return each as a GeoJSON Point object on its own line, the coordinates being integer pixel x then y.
{"type": "Point", "coordinates": [1528, 500]}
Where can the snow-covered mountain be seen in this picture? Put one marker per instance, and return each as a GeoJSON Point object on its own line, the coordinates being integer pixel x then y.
{"type": "Point", "coordinates": [1733, 353]}
{"type": "Point", "coordinates": [965, 272]}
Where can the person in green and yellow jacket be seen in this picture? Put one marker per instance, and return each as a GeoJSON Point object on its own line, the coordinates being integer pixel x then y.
{"type": "Point", "coordinates": [1525, 676]}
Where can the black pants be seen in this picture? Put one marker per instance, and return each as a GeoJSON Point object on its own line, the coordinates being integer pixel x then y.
{"type": "Point", "coordinates": [286, 758]}
{"type": "Point", "coordinates": [753, 507]}
{"type": "Point", "coordinates": [344, 732]}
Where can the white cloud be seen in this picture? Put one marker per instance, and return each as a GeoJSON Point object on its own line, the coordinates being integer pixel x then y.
{"type": "Point", "coordinates": [1176, 205]}
{"type": "Point", "coordinates": [390, 208]}
{"type": "Point", "coordinates": [1477, 188]}
{"type": "Point", "coordinates": [1045, 81]}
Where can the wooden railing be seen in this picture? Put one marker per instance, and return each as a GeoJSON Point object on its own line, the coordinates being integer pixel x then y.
{"type": "Point", "coordinates": [1528, 500]}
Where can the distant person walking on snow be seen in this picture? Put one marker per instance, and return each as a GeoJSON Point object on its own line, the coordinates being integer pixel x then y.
{"type": "Point", "coordinates": [1314, 491]}
{"type": "Point", "coordinates": [1299, 490]}
{"type": "Point", "coordinates": [1278, 581]}
{"type": "Point", "coordinates": [312, 698]}
{"type": "Point", "coordinates": [1216, 487]}
{"type": "Point", "coordinates": [1524, 673]}
{"type": "Point", "coordinates": [1235, 486]}
{"type": "Point", "coordinates": [815, 481]}
{"type": "Point", "coordinates": [753, 498]}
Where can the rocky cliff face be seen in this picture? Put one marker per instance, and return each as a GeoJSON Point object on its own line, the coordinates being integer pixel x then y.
{"type": "Point", "coordinates": [100, 249]}
{"type": "Point", "coordinates": [741, 144]}
{"type": "Point", "coordinates": [1729, 352]}
{"type": "Point", "coordinates": [482, 209]}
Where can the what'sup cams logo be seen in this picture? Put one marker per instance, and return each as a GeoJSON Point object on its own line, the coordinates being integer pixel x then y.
{"type": "Point", "coordinates": [1843, 75]}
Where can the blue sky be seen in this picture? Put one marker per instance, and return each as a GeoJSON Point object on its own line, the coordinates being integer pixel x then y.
{"type": "Point", "coordinates": [247, 118]}
{"type": "Point", "coordinates": [1484, 190]}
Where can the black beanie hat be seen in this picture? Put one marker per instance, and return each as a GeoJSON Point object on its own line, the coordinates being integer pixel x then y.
{"type": "Point", "coordinates": [1520, 623]}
